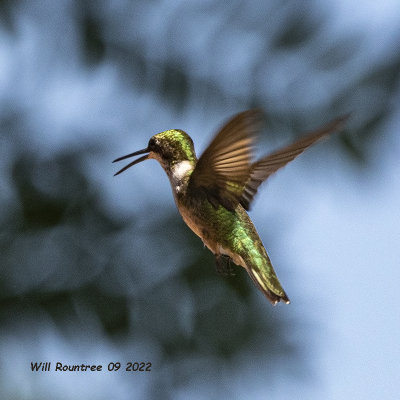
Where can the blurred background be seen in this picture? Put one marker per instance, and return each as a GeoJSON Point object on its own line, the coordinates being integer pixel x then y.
{"type": "Point", "coordinates": [97, 269]}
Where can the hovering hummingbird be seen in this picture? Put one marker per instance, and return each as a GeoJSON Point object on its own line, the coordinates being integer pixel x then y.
{"type": "Point", "coordinates": [212, 193]}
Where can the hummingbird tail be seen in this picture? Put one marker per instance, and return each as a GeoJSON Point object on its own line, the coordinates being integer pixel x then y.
{"type": "Point", "coordinates": [264, 282]}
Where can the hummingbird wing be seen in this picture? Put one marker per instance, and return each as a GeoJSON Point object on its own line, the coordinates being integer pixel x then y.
{"type": "Point", "coordinates": [265, 167]}
{"type": "Point", "coordinates": [224, 168]}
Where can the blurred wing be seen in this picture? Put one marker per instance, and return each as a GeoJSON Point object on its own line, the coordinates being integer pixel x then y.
{"type": "Point", "coordinates": [263, 168]}
{"type": "Point", "coordinates": [223, 169]}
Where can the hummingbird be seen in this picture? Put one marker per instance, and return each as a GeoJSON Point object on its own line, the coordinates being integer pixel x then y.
{"type": "Point", "coordinates": [214, 192]}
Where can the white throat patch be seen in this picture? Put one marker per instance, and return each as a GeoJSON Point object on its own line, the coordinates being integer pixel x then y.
{"type": "Point", "coordinates": [180, 169]}
{"type": "Point", "coordinates": [178, 172]}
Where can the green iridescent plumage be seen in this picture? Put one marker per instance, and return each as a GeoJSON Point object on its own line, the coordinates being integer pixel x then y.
{"type": "Point", "coordinates": [214, 192]}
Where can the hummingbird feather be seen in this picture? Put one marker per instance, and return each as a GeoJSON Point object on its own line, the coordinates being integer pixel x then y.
{"type": "Point", "coordinates": [264, 168]}
{"type": "Point", "coordinates": [224, 167]}
{"type": "Point", "coordinates": [225, 173]}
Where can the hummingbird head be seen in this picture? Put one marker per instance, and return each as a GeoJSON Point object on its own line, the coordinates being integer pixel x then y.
{"type": "Point", "coordinates": [172, 148]}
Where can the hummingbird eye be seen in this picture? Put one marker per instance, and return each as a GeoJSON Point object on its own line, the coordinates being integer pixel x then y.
{"type": "Point", "coordinates": [152, 144]}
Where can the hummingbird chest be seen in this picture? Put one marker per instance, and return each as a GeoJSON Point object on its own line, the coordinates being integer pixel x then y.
{"type": "Point", "coordinates": [217, 228]}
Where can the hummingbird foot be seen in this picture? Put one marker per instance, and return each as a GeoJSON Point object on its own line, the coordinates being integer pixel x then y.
{"type": "Point", "coordinates": [223, 265]}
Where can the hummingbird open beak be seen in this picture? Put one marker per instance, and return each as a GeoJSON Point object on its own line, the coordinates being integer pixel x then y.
{"type": "Point", "coordinates": [136, 153]}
